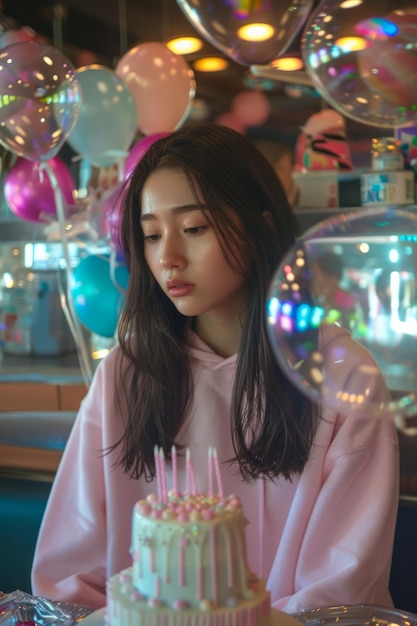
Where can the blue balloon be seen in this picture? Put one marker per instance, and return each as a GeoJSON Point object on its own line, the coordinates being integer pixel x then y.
{"type": "Point", "coordinates": [106, 123]}
{"type": "Point", "coordinates": [98, 297]}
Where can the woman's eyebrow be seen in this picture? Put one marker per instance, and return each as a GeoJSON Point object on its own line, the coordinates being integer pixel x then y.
{"type": "Point", "coordinates": [176, 210]}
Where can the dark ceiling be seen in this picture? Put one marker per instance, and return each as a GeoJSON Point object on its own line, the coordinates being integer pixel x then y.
{"type": "Point", "coordinates": [102, 31]}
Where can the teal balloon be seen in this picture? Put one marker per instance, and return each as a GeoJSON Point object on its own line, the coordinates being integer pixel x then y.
{"type": "Point", "coordinates": [97, 299]}
{"type": "Point", "coordinates": [106, 124]}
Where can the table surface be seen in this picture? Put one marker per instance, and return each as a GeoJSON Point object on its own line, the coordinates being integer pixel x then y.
{"type": "Point", "coordinates": [54, 370]}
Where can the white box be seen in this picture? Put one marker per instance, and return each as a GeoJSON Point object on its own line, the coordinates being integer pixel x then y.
{"type": "Point", "coordinates": [317, 189]}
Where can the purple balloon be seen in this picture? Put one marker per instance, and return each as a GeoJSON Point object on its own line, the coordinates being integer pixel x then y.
{"type": "Point", "coordinates": [112, 206]}
{"type": "Point", "coordinates": [28, 190]}
{"type": "Point", "coordinates": [138, 150]}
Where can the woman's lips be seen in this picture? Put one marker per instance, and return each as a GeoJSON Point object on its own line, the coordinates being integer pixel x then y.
{"type": "Point", "coordinates": [178, 288]}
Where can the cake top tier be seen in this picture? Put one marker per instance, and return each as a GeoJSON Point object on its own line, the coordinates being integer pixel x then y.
{"type": "Point", "coordinates": [188, 508]}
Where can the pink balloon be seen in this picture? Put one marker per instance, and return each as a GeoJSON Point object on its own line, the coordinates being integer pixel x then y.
{"type": "Point", "coordinates": [138, 150]}
{"type": "Point", "coordinates": [231, 121]}
{"type": "Point", "coordinates": [162, 84]}
{"type": "Point", "coordinates": [28, 190]}
{"type": "Point", "coordinates": [251, 107]}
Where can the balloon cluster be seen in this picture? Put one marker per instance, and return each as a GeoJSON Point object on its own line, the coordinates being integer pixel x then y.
{"type": "Point", "coordinates": [45, 102]}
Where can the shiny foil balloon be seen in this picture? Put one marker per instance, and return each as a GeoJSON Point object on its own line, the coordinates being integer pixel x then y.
{"type": "Point", "coordinates": [232, 26]}
{"type": "Point", "coordinates": [40, 99]}
{"type": "Point", "coordinates": [28, 190]}
{"type": "Point", "coordinates": [138, 150]}
{"type": "Point", "coordinates": [354, 274]}
{"type": "Point", "coordinates": [97, 294]}
{"type": "Point", "coordinates": [362, 58]}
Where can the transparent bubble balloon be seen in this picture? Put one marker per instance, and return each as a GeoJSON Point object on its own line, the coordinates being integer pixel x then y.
{"type": "Point", "coordinates": [342, 313]}
{"type": "Point", "coordinates": [232, 26]}
{"type": "Point", "coordinates": [40, 99]}
{"type": "Point", "coordinates": [362, 58]}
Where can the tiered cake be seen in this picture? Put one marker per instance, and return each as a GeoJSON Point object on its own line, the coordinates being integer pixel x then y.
{"type": "Point", "coordinates": [189, 563]}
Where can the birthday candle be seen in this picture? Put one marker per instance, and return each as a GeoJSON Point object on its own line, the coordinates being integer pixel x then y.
{"type": "Point", "coordinates": [157, 471]}
{"type": "Point", "coordinates": [174, 469]}
{"type": "Point", "coordinates": [193, 484]}
{"type": "Point", "coordinates": [187, 471]}
{"type": "Point", "coordinates": [163, 475]}
{"type": "Point", "coordinates": [218, 476]}
{"type": "Point", "coordinates": [210, 470]}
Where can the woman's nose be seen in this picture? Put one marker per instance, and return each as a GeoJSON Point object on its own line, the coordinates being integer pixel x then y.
{"type": "Point", "coordinates": [171, 254]}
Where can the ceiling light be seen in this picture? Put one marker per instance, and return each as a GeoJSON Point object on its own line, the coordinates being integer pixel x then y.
{"type": "Point", "coordinates": [256, 32]}
{"type": "Point", "coordinates": [288, 64]}
{"type": "Point", "coordinates": [210, 64]}
{"type": "Point", "coordinates": [350, 4]}
{"type": "Point", "coordinates": [184, 45]}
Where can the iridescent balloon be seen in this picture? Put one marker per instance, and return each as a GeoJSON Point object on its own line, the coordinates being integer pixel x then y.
{"type": "Point", "coordinates": [40, 99]}
{"type": "Point", "coordinates": [230, 26]}
{"type": "Point", "coordinates": [362, 58]}
{"type": "Point", "coordinates": [366, 288]}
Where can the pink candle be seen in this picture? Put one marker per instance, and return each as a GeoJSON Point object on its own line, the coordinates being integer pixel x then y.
{"type": "Point", "coordinates": [163, 476]}
{"type": "Point", "coordinates": [218, 476]}
{"type": "Point", "coordinates": [210, 470]}
{"type": "Point", "coordinates": [193, 484]}
{"type": "Point", "coordinates": [157, 471]}
{"type": "Point", "coordinates": [187, 471]}
{"type": "Point", "coordinates": [174, 469]}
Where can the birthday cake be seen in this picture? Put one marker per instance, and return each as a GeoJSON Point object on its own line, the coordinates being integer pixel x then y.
{"type": "Point", "coordinates": [189, 565]}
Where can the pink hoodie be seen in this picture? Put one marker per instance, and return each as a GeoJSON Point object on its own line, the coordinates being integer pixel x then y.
{"type": "Point", "coordinates": [323, 539]}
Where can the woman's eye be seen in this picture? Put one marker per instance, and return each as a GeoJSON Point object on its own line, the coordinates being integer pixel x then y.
{"type": "Point", "coordinates": [151, 238]}
{"type": "Point", "coordinates": [195, 230]}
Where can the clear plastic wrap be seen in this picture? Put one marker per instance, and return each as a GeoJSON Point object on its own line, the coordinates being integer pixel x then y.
{"type": "Point", "coordinates": [22, 609]}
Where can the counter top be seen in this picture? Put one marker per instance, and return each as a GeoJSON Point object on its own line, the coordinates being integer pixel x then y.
{"type": "Point", "coordinates": [65, 369]}
{"type": "Point", "coordinates": [56, 370]}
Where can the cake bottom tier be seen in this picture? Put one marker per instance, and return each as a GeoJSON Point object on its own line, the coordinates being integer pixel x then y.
{"type": "Point", "coordinates": [124, 608]}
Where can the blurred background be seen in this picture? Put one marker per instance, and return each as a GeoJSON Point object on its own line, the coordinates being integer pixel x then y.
{"type": "Point", "coordinates": [102, 31]}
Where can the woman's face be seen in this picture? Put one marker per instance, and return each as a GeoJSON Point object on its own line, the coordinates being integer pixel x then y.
{"type": "Point", "coordinates": [183, 252]}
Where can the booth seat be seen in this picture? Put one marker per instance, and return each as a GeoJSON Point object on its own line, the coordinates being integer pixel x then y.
{"type": "Point", "coordinates": [31, 446]}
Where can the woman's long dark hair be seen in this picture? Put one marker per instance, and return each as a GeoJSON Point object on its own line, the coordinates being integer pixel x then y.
{"type": "Point", "coordinates": [272, 423]}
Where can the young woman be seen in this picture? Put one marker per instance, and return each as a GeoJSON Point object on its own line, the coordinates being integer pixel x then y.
{"type": "Point", "coordinates": [204, 226]}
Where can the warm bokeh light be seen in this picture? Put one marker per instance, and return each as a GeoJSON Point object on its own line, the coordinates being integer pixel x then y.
{"type": "Point", "coordinates": [210, 64]}
{"type": "Point", "coordinates": [288, 64]}
{"type": "Point", "coordinates": [256, 32]}
{"type": "Point", "coordinates": [184, 45]}
{"type": "Point", "coordinates": [351, 44]}
{"type": "Point", "coordinates": [350, 4]}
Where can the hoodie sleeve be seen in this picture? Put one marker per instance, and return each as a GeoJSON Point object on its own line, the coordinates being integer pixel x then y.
{"type": "Point", "coordinates": [72, 536]}
{"type": "Point", "coordinates": [346, 542]}
{"type": "Point", "coordinates": [346, 550]}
